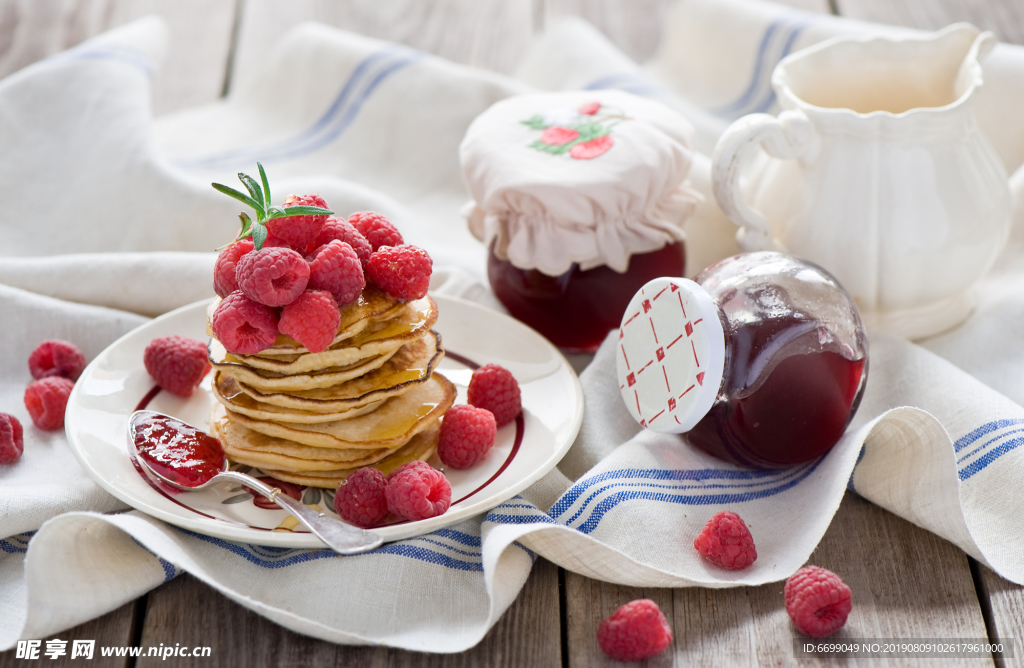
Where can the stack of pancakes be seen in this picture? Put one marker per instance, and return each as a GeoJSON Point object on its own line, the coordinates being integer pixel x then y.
{"type": "Point", "coordinates": [371, 398]}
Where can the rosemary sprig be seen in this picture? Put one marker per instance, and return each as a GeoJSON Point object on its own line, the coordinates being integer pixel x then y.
{"type": "Point", "coordinates": [259, 200]}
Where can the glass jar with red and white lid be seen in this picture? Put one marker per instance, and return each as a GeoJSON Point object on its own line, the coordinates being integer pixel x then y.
{"type": "Point", "coordinates": [580, 198]}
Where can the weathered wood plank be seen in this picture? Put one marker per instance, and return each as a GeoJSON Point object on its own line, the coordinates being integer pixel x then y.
{"type": "Point", "coordinates": [1005, 609]}
{"type": "Point", "coordinates": [187, 611]}
{"type": "Point", "coordinates": [115, 629]}
{"type": "Point", "coordinates": [200, 33]}
{"type": "Point", "coordinates": [906, 582]}
{"type": "Point", "coordinates": [491, 35]}
{"type": "Point", "coordinates": [1003, 17]}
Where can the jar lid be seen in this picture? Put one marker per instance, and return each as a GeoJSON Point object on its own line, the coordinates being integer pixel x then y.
{"type": "Point", "coordinates": [586, 177]}
{"type": "Point", "coordinates": [671, 355]}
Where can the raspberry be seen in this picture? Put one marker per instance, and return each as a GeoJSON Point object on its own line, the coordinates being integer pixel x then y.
{"type": "Point", "coordinates": [272, 276]}
{"type": "Point", "coordinates": [342, 230]}
{"type": "Point", "coordinates": [377, 229]}
{"type": "Point", "coordinates": [224, 281]}
{"type": "Point", "coordinates": [360, 499]}
{"type": "Point", "coordinates": [56, 358]}
{"type": "Point", "coordinates": [817, 601]}
{"type": "Point", "coordinates": [12, 442]}
{"type": "Point", "coordinates": [312, 320]}
{"type": "Point", "coordinates": [46, 399]}
{"type": "Point", "coordinates": [494, 388]}
{"type": "Point", "coordinates": [417, 491]}
{"type": "Point", "coordinates": [336, 268]}
{"type": "Point", "coordinates": [467, 433]}
{"type": "Point", "coordinates": [176, 363]}
{"type": "Point", "coordinates": [636, 631]}
{"type": "Point", "coordinates": [401, 271]}
{"type": "Point", "coordinates": [244, 326]}
{"type": "Point", "coordinates": [726, 541]}
{"type": "Point", "coordinates": [299, 231]}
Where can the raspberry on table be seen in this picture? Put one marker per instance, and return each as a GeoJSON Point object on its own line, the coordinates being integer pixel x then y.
{"type": "Point", "coordinates": [342, 230]}
{"type": "Point", "coordinates": [224, 280]}
{"type": "Point", "coordinates": [360, 498]}
{"type": "Point", "coordinates": [12, 441]}
{"type": "Point", "coordinates": [417, 491]}
{"type": "Point", "coordinates": [46, 400]}
{"type": "Point", "coordinates": [272, 276]}
{"type": "Point", "coordinates": [636, 631]}
{"type": "Point", "coordinates": [467, 434]}
{"type": "Point", "coordinates": [56, 358]}
{"type": "Point", "coordinates": [377, 229]}
{"type": "Point", "coordinates": [817, 601]}
{"type": "Point", "coordinates": [176, 363]}
{"type": "Point", "coordinates": [401, 271]}
{"type": "Point", "coordinates": [335, 267]}
{"type": "Point", "coordinates": [244, 326]}
{"type": "Point", "coordinates": [495, 388]}
{"type": "Point", "coordinates": [299, 231]}
{"type": "Point", "coordinates": [312, 320]}
{"type": "Point", "coordinates": [726, 542]}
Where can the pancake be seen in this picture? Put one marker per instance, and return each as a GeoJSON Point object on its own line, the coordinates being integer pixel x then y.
{"type": "Point", "coordinates": [269, 381]}
{"type": "Point", "coordinates": [394, 423]}
{"type": "Point", "coordinates": [227, 391]}
{"type": "Point", "coordinates": [415, 319]}
{"type": "Point", "coordinates": [373, 305]}
{"type": "Point", "coordinates": [421, 446]}
{"type": "Point", "coordinates": [412, 364]}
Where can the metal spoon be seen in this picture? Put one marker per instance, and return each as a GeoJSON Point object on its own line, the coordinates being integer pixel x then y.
{"type": "Point", "coordinates": [341, 537]}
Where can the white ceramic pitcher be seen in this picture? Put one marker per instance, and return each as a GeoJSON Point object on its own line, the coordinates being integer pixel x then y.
{"type": "Point", "coordinates": [878, 172]}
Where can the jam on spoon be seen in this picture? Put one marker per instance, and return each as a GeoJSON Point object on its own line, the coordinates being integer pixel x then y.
{"type": "Point", "coordinates": [190, 459]}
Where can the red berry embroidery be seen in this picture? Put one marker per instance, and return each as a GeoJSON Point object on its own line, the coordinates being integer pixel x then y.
{"type": "Point", "coordinates": [589, 150]}
{"type": "Point", "coordinates": [556, 136]}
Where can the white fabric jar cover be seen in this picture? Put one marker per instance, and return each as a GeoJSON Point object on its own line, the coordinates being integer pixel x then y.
{"type": "Point", "coordinates": [583, 176]}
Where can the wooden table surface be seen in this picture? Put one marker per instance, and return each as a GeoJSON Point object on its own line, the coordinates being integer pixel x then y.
{"type": "Point", "coordinates": [907, 582]}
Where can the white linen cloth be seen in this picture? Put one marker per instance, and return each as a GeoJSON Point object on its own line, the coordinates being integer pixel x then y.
{"type": "Point", "coordinates": [86, 171]}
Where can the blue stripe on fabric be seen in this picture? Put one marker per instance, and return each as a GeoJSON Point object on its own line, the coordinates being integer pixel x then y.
{"type": "Point", "coordinates": [983, 431]}
{"type": "Point", "coordinates": [755, 76]}
{"type": "Point", "coordinates": [170, 570]}
{"type": "Point", "coordinates": [464, 538]}
{"type": "Point", "coordinates": [332, 123]}
{"type": "Point", "coordinates": [608, 503]}
{"type": "Point", "coordinates": [860, 456]}
{"type": "Point", "coordinates": [285, 557]}
{"type": "Point", "coordinates": [980, 464]}
{"type": "Point", "coordinates": [121, 53]}
{"type": "Point", "coordinates": [496, 518]}
{"type": "Point", "coordinates": [650, 488]}
{"type": "Point", "coordinates": [986, 444]}
{"type": "Point", "coordinates": [569, 498]}
{"type": "Point", "coordinates": [17, 544]}
{"type": "Point", "coordinates": [769, 99]}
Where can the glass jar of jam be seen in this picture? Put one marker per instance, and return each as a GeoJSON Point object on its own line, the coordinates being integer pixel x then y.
{"type": "Point", "coordinates": [579, 197]}
{"type": "Point", "coordinates": [761, 360]}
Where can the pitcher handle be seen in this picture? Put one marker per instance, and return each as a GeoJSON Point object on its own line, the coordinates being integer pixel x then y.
{"type": "Point", "coordinates": [789, 136]}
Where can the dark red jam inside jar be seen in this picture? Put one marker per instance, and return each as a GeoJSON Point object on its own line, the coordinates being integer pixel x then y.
{"type": "Point", "coordinates": [577, 309]}
{"type": "Point", "coordinates": [795, 361]}
{"type": "Point", "coordinates": [177, 451]}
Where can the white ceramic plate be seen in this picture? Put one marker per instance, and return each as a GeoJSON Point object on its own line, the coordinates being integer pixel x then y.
{"type": "Point", "coordinates": [115, 384]}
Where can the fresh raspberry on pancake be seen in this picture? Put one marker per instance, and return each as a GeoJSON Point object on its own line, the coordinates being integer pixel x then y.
{"type": "Point", "coordinates": [335, 267]}
{"type": "Point", "coordinates": [46, 400]}
{"type": "Point", "coordinates": [377, 229]}
{"type": "Point", "coordinates": [244, 326]}
{"type": "Point", "coordinates": [298, 231]}
{"type": "Point", "coordinates": [224, 281]}
{"type": "Point", "coordinates": [342, 230]}
{"type": "Point", "coordinates": [312, 320]}
{"type": "Point", "coordinates": [272, 276]}
{"type": "Point", "coordinates": [401, 271]}
{"type": "Point", "coordinates": [56, 358]}
{"type": "Point", "coordinates": [177, 363]}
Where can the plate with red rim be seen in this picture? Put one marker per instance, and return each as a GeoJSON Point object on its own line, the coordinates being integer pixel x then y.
{"type": "Point", "coordinates": [115, 384]}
